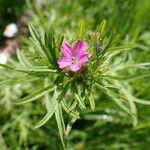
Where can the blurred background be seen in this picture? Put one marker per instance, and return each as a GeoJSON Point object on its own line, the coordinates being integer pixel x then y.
{"type": "Point", "coordinates": [108, 127]}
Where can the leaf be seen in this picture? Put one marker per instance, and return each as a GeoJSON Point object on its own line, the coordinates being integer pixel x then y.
{"type": "Point", "coordinates": [92, 102]}
{"type": "Point", "coordinates": [108, 44]}
{"type": "Point", "coordinates": [102, 27]}
{"type": "Point", "coordinates": [5, 81]}
{"type": "Point", "coordinates": [39, 69]}
{"type": "Point", "coordinates": [124, 66]}
{"type": "Point", "coordinates": [33, 33]}
{"type": "Point", "coordinates": [116, 98]}
{"type": "Point", "coordinates": [130, 78]}
{"type": "Point", "coordinates": [51, 112]}
{"type": "Point", "coordinates": [38, 39]}
{"type": "Point", "coordinates": [60, 41]}
{"type": "Point", "coordinates": [36, 69]}
{"type": "Point", "coordinates": [34, 96]}
{"type": "Point", "coordinates": [133, 109]}
{"type": "Point", "coordinates": [60, 122]}
{"type": "Point", "coordinates": [73, 106]}
{"type": "Point", "coordinates": [80, 100]}
{"type": "Point", "coordinates": [22, 59]}
{"type": "Point", "coordinates": [61, 116]}
{"type": "Point", "coordinates": [69, 125]}
{"type": "Point", "coordinates": [13, 79]}
{"type": "Point", "coordinates": [81, 30]}
{"type": "Point", "coordinates": [69, 109]}
{"type": "Point", "coordinates": [46, 117]}
{"type": "Point", "coordinates": [7, 66]}
{"type": "Point", "coordinates": [141, 101]}
{"type": "Point", "coordinates": [131, 103]}
{"type": "Point", "coordinates": [142, 64]}
{"type": "Point", "coordinates": [2, 142]}
{"type": "Point", "coordinates": [50, 43]}
{"type": "Point", "coordinates": [64, 90]}
{"type": "Point", "coordinates": [124, 47]}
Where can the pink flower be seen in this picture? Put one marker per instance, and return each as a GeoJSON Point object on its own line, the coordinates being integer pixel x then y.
{"type": "Point", "coordinates": [74, 57]}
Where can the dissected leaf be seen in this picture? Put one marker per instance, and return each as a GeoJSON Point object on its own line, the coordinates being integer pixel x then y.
{"type": "Point", "coordinates": [92, 102]}
{"type": "Point", "coordinates": [34, 96]}
{"type": "Point", "coordinates": [80, 101]}
{"type": "Point", "coordinates": [46, 117]}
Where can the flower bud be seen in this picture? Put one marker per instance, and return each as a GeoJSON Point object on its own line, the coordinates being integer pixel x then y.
{"type": "Point", "coordinates": [98, 47]}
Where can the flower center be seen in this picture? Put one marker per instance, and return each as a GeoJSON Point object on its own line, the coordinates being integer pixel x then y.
{"type": "Point", "coordinates": [74, 60]}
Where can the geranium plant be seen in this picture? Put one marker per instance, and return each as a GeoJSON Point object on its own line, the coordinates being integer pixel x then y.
{"type": "Point", "coordinates": [70, 75]}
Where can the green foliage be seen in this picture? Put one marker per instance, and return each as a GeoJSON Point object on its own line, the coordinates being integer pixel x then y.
{"type": "Point", "coordinates": [84, 105]}
{"type": "Point", "coordinates": [96, 77]}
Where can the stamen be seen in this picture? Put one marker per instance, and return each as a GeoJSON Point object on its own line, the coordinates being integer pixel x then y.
{"type": "Point", "coordinates": [74, 60]}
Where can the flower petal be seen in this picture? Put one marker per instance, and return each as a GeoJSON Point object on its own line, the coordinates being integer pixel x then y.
{"type": "Point", "coordinates": [80, 48]}
{"type": "Point", "coordinates": [84, 58]}
{"type": "Point", "coordinates": [64, 62]}
{"type": "Point", "coordinates": [88, 54]}
{"type": "Point", "coordinates": [66, 49]}
{"type": "Point", "coordinates": [75, 67]}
